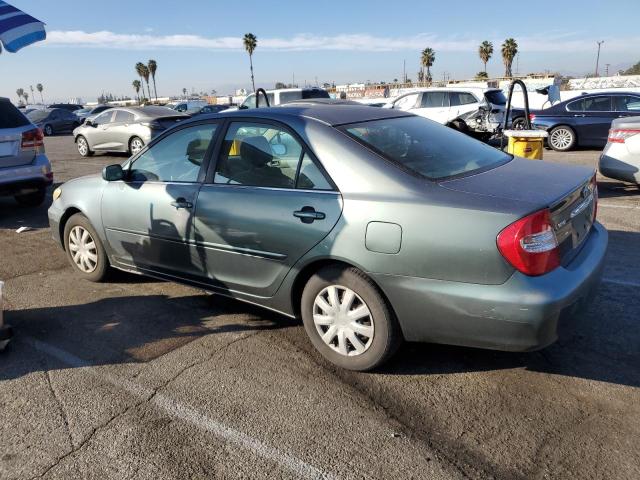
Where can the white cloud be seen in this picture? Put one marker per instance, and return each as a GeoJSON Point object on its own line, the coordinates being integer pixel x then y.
{"type": "Point", "coordinates": [544, 42]}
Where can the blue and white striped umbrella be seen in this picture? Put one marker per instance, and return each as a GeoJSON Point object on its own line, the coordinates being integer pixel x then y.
{"type": "Point", "coordinates": [17, 29]}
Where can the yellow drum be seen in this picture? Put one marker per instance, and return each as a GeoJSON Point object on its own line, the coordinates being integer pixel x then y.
{"type": "Point", "coordinates": [526, 143]}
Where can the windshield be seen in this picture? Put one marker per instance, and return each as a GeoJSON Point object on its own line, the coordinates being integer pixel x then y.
{"type": "Point", "coordinates": [496, 97]}
{"type": "Point", "coordinates": [425, 147]}
{"type": "Point", "coordinates": [38, 115]}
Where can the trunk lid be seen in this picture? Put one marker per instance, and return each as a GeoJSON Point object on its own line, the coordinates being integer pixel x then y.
{"type": "Point", "coordinates": [566, 190]}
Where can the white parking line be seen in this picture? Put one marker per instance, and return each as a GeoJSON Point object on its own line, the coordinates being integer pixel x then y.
{"type": "Point", "coordinates": [189, 415]}
{"type": "Point", "coordinates": [626, 283]}
{"type": "Point", "coordinates": [610, 205]}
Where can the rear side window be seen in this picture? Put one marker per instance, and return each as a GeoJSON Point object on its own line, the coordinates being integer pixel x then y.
{"type": "Point", "coordinates": [10, 116]}
{"type": "Point", "coordinates": [315, 93]}
{"type": "Point", "coordinates": [426, 148]}
{"type": "Point", "coordinates": [123, 117]}
{"type": "Point", "coordinates": [496, 97]}
{"type": "Point", "coordinates": [289, 96]}
{"type": "Point", "coordinates": [461, 98]}
{"type": "Point", "coordinates": [627, 103]}
{"type": "Point", "coordinates": [434, 100]}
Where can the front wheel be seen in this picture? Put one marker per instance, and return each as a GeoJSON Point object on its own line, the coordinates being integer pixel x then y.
{"type": "Point", "coordinates": [135, 145]}
{"type": "Point", "coordinates": [562, 138]}
{"type": "Point", "coordinates": [84, 249]}
{"type": "Point", "coordinates": [348, 320]}
{"type": "Point", "coordinates": [83, 147]}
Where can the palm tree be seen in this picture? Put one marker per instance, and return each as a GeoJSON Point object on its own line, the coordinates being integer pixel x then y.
{"type": "Point", "coordinates": [153, 66]}
{"type": "Point", "coordinates": [20, 93]}
{"type": "Point", "coordinates": [509, 52]}
{"type": "Point", "coordinates": [184, 92]}
{"type": "Point", "coordinates": [136, 86]}
{"type": "Point", "coordinates": [143, 71]}
{"type": "Point", "coordinates": [26, 98]}
{"type": "Point", "coordinates": [482, 76]}
{"type": "Point", "coordinates": [426, 60]}
{"type": "Point", "coordinates": [39, 87]}
{"type": "Point", "coordinates": [485, 50]}
{"type": "Point", "coordinates": [250, 43]}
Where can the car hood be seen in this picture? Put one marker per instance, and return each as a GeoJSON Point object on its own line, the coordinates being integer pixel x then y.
{"type": "Point", "coordinates": [535, 182]}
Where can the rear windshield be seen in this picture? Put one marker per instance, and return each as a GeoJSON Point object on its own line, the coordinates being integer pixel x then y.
{"type": "Point", "coordinates": [426, 148]}
{"type": "Point", "coordinates": [496, 97]}
{"type": "Point", "coordinates": [314, 94]}
{"type": "Point", "coordinates": [37, 115]}
{"type": "Point", "coordinates": [10, 116]}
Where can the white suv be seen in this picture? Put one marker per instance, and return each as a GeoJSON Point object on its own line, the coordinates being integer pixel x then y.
{"type": "Point", "coordinates": [283, 95]}
{"type": "Point", "coordinates": [473, 110]}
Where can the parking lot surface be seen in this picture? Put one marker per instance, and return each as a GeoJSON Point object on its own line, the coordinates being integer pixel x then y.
{"type": "Point", "coordinates": [137, 378]}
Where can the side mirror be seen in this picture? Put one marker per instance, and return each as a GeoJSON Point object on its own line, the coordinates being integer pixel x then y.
{"type": "Point", "coordinates": [89, 123]}
{"type": "Point", "coordinates": [113, 173]}
{"type": "Point", "coordinates": [243, 107]}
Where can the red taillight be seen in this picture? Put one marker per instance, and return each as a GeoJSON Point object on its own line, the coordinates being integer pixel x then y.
{"type": "Point", "coordinates": [530, 244]}
{"type": "Point", "coordinates": [617, 135]}
{"type": "Point", "coordinates": [32, 138]}
{"type": "Point", "coordinates": [532, 117]}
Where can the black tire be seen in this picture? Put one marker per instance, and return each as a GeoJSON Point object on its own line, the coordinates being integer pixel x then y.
{"type": "Point", "coordinates": [102, 264]}
{"type": "Point", "coordinates": [518, 123]}
{"type": "Point", "coordinates": [562, 138]}
{"type": "Point", "coordinates": [48, 130]}
{"type": "Point", "coordinates": [79, 145]}
{"type": "Point", "coordinates": [131, 145]}
{"type": "Point", "coordinates": [387, 336]}
{"type": "Point", "coordinates": [32, 199]}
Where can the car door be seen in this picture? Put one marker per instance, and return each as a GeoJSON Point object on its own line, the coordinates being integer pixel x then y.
{"type": "Point", "coordinates": [56, 121]}
{"type": "Point", "coordinates": [434, 106]}
{"type": "Point", "coordinates": [266, 202]}
{"type": "Point", "coordinates": [117, 131]}
{"type": "Point", "coordinates": [591, 118]}
{"type": "Point", "coordinates": [97, 136]}
{"type": "Point", "coordinates": [147, 217]}
{"type": "Point", "coordinates": [461, 103]}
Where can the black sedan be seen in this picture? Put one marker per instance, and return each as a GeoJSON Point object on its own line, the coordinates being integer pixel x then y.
{"type": "Point", "coordinates": [54, 120]}
{"type": "Point", "coordinates": [583, 121]}
{"type": "Point", "coordinates": [198, 110]}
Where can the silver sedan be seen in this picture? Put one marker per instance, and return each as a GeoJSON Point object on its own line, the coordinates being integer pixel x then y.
{"type": "Point", "coordinates": [124, 129]}
{"type": "Point", "coordinates": [621, 156]}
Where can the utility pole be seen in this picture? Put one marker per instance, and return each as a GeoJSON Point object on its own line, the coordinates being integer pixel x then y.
{"type": "Point", "coordinates": [607, 69]}
{"type": "Point", "coordinates": [598, 57]}
{"type": "Point", "coordinates": [404, 71]}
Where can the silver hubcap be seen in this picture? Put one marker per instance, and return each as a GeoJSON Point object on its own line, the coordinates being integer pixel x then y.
{"type": "Point", "coordinates": [136, 145]}
{"type": "Point", "coordinates": [343, 320]}
{"type": "Point", "coordinates": [82, 146]}
{"type": "Point", "coordinates": [83, 249]}
{"type": "Point", "coordinates": [561, 138]}
{"type": "Point", "coordinates": [48, 130]}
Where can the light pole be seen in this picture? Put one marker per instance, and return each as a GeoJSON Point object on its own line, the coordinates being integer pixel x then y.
{"type": "Point", "coordinates": [598, 57]}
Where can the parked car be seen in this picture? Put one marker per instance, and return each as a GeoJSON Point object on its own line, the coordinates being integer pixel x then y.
{"type": "Point", "coordinates": [198, 110]}
{"type": "Point", "coordinates": [25, 171]}
{"type": "Point", "coordinates": [71, 107]}
{"type": "Point", "coordinates": [281, 96]}
{"type": "Point", "coordinates": [473, 110]}
{"type": "Point", "coordinates": [182, 107]}
{"type": "Point", "coordinates": [584, 121]}
{"type": "Point", "coordinates": [91, 112]}
{"type": "Point", "coordinates": [620, 159]}
{"type": "Point", "coordinates": [124, 129]}
{"type": "Point", "coordinates": [53, 120]}
{"type": "Point", "coordinates": [374, 225]}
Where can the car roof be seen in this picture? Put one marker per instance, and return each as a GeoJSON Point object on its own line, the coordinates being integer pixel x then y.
{"type": "Point", "coordinates": [153, 111]}
{"type": "Point", "coordinates": [330, 114]}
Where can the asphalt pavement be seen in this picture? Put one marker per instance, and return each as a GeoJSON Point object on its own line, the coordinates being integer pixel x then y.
{"type": "Point", "coordinates": [137, 378]}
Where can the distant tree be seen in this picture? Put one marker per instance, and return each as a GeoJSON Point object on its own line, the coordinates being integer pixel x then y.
{"type": "Point", "coordinates": [420, 76]}
{"type": "Point", "coordinates": [485, 50]}
{"type": "Point", "coordinates": [136, 86]}
{"type": "Point", "coordinates": [395, 80]}
{"type": "Point", "coordinates": [280, 85]}
{"type": "Point", "coordinates": [26, 97]}
{"type": "Point", "coordinates": [184, 92]}
{"type": "Point", "coordinates": [20, 93]}
{"type": "Point", "coordinates": [250, 42]}
{"type": "Point", "coordinates": [153, 66]}
{"type": "Point", "coordinates": [143, 71]}
{"type": "Point", "coordinates": [40, 88]}
{"type": "Point", "coordinates": [427, 58]}
{"type": "Point", "coordinates": [482, 76]}
{"type": "Point", "coordinates": [509, 52]}
{"type": "Point", "coordinates": [634, 70]}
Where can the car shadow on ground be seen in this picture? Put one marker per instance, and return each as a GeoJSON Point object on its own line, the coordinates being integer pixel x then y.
{"type": "Point", "coordinates": [616, 189]}
{"type": "Point", "coordinates": [13, 215]}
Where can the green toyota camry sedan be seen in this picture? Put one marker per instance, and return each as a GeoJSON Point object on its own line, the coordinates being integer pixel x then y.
{"type": "Point", "coordinates": [372, 225]}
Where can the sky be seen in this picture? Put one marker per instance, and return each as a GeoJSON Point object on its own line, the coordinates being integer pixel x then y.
{"type": "Point", "coordinates": [93, 45]}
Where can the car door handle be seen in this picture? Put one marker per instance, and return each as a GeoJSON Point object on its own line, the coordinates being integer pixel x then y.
{"type": "Point", "coordinates": [308, 215]}
{"type": "Point", "coordinates": [579, 115]}
{"type": "Point", "coordinates": [181, 203]}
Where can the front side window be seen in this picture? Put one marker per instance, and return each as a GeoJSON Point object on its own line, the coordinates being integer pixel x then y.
{"type": "Point", "coordinates": [258, 155]}
{"type": "Point", "coordinates": [434, 100]}
{"type": "Point", "coordinates": [461, 98]}
{"type": "Point", "coordinates": [289, 96]}
{"type": "Point", "coordinates": [175, 158]}
{"type": "Point", "coordinates": [123, 117]}
{"type": "Point", "coordinates": [597, 104]}
{"type": "Point", "coordinates": [496, 97]}
{"type": "Point", "coordinates": [627, 103]}
{"type": "Point", "coordinates": [426, 148]}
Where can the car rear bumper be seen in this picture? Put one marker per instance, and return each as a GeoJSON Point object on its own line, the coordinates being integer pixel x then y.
{"type": "Point", "coordinates": [616, 166]}
{"type": "Point", "coordinates": [26, 178]}
{"type": "Point", "coordinates": [520, 315]}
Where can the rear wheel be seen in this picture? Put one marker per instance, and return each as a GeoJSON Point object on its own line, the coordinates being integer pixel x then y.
{"type": "Point", "coordinates": [83, 147]}
{"type": "Point", "coordinates": [84, 249]}
{"type": "Point", "coordinates": [48, 130]}
{"type": "Point", "coordinates": [562, 138]}
{"type": "Point", "coordinates": [348, 320]}
{"type": "Point", "coordinates": [518, 123]}
{"type": "Point", "coordinates": [135, 145]}
{"type": "Point", "coordinates": [32, 199]}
